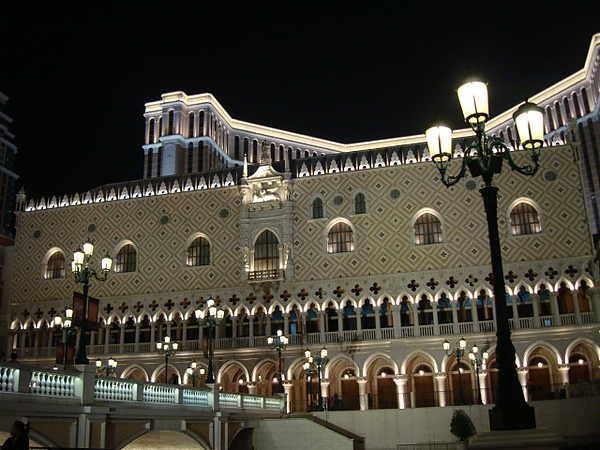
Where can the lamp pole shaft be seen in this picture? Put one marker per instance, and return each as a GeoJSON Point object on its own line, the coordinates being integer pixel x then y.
{"type": "Point", "coordinates": [166, 366]}
{"type": "Point", "coordinates": [478, 383]}
{"type": "Point", "coordinates": [511, 412]}
{"type": "Point", "coordinates": [279, 368]}
{"type": "Point", "coordinates": [81, 353]}
{"type": "Point", "coordinates": [461, 396]}
{"type": "Point", "coordinates": [210, 378]}
{"type": "Point", "coordinates": [320, 390]}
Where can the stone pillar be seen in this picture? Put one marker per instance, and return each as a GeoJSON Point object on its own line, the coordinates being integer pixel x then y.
{"type": "Point", "coordinates": [554, 307]}
{"type": "Point", "coordinates": [377, 310]}
{"type": "Point", "coordinates": [362, 393]}
{"type": "Point", "coordinates": [414, 309]}
{"type": "Point", "coordinates": [440, 384]}
{"type": "Point", "coordinates": [137, 337]}
{"type": "Point", "coordinates": [436, 322]}
{"type": "Point", "coordinates": [340, 319]}
{"type": "Point", "coordinates": [286, 323]}
{"type": "Point", "coordinates": [122, 338]}
{"type": "Point", "coordinates": [482, 386]}
{"type": "Point", "coordinates": [396, 321]}
{"type": "Point", "coordinates": [401, 382]}
{"type": "Point", "coordinates": [152, 336]}
{"type": "Point", "coordinates": [563, 370]}
{"type": "Point", "coordinates": [576, 307]}
{"type": "Point", "coordinates": [251, 387]}
{"type": "Point", "coordinates": [324, 390]}
{"type": "Point", "coordinates": [287, 386]}
{"type": "Point", "coordinates": [321, 315]}
{"type": "Point", "coordinates": [216, 431]}
{"type": "Point", "coordinates": [522, 372]}
{"type": "Point", "coordinates": [594, 294]}
{"type": "Point", "coordinates": [454, 306]}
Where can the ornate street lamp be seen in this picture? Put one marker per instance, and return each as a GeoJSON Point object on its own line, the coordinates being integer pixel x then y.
{"type": "Point", "coordinates": [484, 158]}
{"type": "Point", "coordinates": [214, 316]}
{"type": "Point", "coordinates": [83, 272]}
{"type": "Point", "coordinates": [194, 373]}
{"type": "Point", "coordinates": [319, 361]}
{"type": "Point", "coordinates": [108, 369]}
{"type": "Point", "coordinates": [458, 351]}
{"type": "Point", "coordinates": [479, 362]}
{"type": "Point", "coordinates": [279, 343]}
{"type": "Point", "coordinates": [167, 348]}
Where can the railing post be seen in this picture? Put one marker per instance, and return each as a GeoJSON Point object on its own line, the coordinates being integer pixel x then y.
{"type": "Point", "coordinates": [84, 384]}
{"type": "Point", "coordinates": [213, 396]}
{"type": "Point", "coordinates": [21, 380]}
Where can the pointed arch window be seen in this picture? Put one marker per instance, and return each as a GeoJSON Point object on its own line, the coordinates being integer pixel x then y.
{"type": "Point", "coordinates": [428, 229]}
{"type": "Point", "coordinates": [55, 268]}
{"type": "Point", "coordinates": [170, 122]}
{"type": "Point", "coordinates": [198, 253]}
{"type": "Point", "coordinates": [126, 259]}
{"type": "Point", "coordinates": [317, 209]}
{"type": "Point", "coordinates": [524, 219]}
{"type": "Point", "coordinates": [151, 131]}
{"type": "Point", "coordinates": [360, 204]}
{"type": "Point", "coordinates": [340, 238]}
{"type": "Point", "coordinates": [191, 125]}
{"type": "Point", "coordinates": [266, 252]}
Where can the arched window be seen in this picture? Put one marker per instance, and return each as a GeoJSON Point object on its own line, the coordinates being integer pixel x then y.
{"type": "Point", "coordinates": [126, 259]}
{"type": "Point", "coordinates": [567, 108]}
{"type": "Point", "coordinates": [558, 114]}
{"type": "Point", "coordinates": [201, 124]}
{"type": "Point", "coordinates": [549, 117]}
{"type": "Point", "coordinates": [524, 219]}
{"type": "Point", "coordinates": [149, 163]}
{"type": "Point", "coordinates": [586, 102]}
{"type": "Point", "coordinates": [340, 238]}
{"type": "Point", "coordinates": [151, 131]}
{"type": "Point", "coordinates": [236, 148]}
{"type": "Point", "coordinates": [55, 268]}
{"type": "Point", "coordinates": [191, 125]}
{"type": "Point", "coordinates": [576, 105]}
{"type": "Point", "coordinates": [317, 209]}
{"type": "Point", "coordinates": [170, 123]}
{"type": "Point", "coordinates": [266, 251]}
{"type": "Point", "coordinates": [255, 157]}
{"type": "Point", "coordinates": [198, 253]}
{"type": "Point", "coordinates": [428, 229]}
{"type": "Point", "coordinates": [160, 125]}
{"type": "Point", "coordinates": [360, 204]}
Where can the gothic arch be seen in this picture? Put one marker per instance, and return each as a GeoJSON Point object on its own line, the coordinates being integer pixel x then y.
{"type": "Point", "coordinates": [226, 366]}
{"type": "Point", "coordinates": [367, 365]}
{"type": "Point", "coordinates": [334, 362]}
{"type": "Point", "coordinates": [408, 360]}
{"type": "Point", "coordinates": [541, 345]}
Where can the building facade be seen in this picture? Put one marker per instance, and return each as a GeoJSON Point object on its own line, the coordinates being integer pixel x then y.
{"type": "Point", "coordinates": [355, 248]}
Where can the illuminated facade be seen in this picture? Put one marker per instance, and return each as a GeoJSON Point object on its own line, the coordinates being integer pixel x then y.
{"type": "Point", "coordinates": [350, 247]}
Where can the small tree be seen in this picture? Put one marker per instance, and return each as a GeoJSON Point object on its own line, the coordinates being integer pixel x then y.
{"type": "Point", "coordinates": [461, 425]}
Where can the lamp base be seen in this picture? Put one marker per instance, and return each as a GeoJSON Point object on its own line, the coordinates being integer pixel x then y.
{"type": "Point", "coordinates": [512, 418]}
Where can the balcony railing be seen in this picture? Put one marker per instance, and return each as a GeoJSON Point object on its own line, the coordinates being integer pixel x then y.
{"type": "Point", "coordinates": [323, 338]}
{"type": "Point", "coordinates": [80, 386]}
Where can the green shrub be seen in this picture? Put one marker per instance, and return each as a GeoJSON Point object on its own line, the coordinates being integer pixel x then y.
{"type": "Point", "coordinates": [461, 425]}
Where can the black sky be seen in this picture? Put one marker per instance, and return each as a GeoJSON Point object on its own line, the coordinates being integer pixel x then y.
{"type": "Point", "coordinates": [78, 73]}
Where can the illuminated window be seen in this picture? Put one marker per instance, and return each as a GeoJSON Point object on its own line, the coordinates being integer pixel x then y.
{"type": "Point", "coordinates": [266, 251]}
{"type": "Point", "coordinates": [360, 204]}
{"type": "Point", "coordinates": [126, 259]}
{"type": "Point", "coordinates": [317, 209]}
{"type": "Point", "coordinates": [524, 219]}
{"type": "Point", "coordinates": [56, 266]}
{"type": "Point", "coordinates": [340, 238]}
{"type": "Point", "coordinates": [428, 230]}
{"type": "Point", "coordinates": [198, 253]}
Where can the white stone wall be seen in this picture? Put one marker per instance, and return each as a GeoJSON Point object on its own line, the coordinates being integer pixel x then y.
{"type": "Point", "coordinates": [297, 434]}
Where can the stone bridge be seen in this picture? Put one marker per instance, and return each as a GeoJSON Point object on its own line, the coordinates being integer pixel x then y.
{"type": "Point", "coordinates": [77, 409]}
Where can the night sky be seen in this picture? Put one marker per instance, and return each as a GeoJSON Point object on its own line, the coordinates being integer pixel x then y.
{"type": "Point", "coordinates": [78, 76]}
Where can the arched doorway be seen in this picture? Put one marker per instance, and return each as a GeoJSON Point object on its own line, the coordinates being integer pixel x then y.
{"type": "Point", "coordinates": [382, 386]}
{"type": "Point", "coordinates": [460, 379]}
{"type": "Point", "coordinates": [422, 386]}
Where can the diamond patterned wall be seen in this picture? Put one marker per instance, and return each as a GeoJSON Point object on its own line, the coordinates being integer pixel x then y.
{"type": "Point", "coordinates": [384, 255]}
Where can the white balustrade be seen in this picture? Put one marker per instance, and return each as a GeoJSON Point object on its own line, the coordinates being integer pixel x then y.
{"type": "Point", "coordinates": [196, 397]}
{"type": "Point", "coordinates": [387, 333]}
{"type": "Point", "coordinates": [54, 384]}
{"type": "Point", "coordinates": [7, 380]}
{"type": "Point", "coordinates": [157, 393]}
{"type": "Point", "coordinates": [114, 389]}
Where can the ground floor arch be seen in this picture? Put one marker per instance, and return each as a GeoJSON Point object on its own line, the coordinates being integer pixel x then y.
{"type": "Point", "coordinates": [165, 440]}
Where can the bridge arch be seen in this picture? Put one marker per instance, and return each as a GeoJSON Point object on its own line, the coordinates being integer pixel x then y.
{"type": "Point", "coordinates": [163, 439]}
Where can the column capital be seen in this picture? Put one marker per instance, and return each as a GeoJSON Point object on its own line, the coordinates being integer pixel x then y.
{"type": "Point", "coordinates": [361, 380]}
{"type": "Point", "coordinates": [522, 369]}
{"type": "Point", "coordinates": [401, 378]}
{"type": "Point", "coordinates": [325, 381]}
{"type": "Point", "coordinates": [441, 375]}
{"type": "Point", "coordinates": [563, 367]}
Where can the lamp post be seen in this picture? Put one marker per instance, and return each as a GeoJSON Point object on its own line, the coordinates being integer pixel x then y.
{"type": "Point", "coordinates": [108, 369]}
{"type": "Point", "coordinates": [214, 316]}
{"type": "Point", "coordinates": [67, 324]}
{"type": "Point", "coordinates": [279, 343]}
{"type": "Point", "coordinates": [310, 372]}
{"type": "Point", "coordinates": [167, 348]}
{"type": "Point", "coordinates": [319, 361]}
{"type": "Point", "coordinates": [478, 363]}
{"type": "Point", "coordinates": [83, 272]}
{"type": "Point", "coordinates": [484, 158]}
{"type": "Point", "coordinates": [194, 373]}
{"type": "Point", "coordinates": [458, 351]}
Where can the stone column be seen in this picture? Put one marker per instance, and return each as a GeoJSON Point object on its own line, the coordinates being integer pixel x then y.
{"type": "Point", "coordinates": [137, 337]}
{"type": "Point", "coordinates": [321, 315]}
{"type": "Point", "coordinates": [482, 386]}
{"type": "Point", "coordinates": [362, 393]}
{"type": "Point", "coordinates": [576, 307]}
{"type": "Point", "coordinates": [563, 370]}
{"type": "Point", "coordinates": [396, 321]}
{"type": "Point", "coordinates": [324, 390]}
{"type": "Point", "coordinates": [286, 323]}
{"type": "Point", "coordinates": [454, 306]}
{"type": "Point", "coordinates": [287, 386]}
{"type": "Point", "coordinates": [435, 318]}
{"type": "Point", "coordinates": [401, 382]}
{"type": "Point", "coordinates": [251, 387]}
{"type": "Point", "coordinates": [440, 383]}
{"type": "Point", "coordinates": [554, 308]}
{"type": "Point", "coordinates": [122, 338]}
{"type": "Point", "coordinates": [522, 372]}
{"type": "Point", "coordinates": [377, 310]}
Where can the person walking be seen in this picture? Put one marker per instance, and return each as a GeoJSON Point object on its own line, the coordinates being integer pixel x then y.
{"type": "Point", "coordinates": [19, 437]}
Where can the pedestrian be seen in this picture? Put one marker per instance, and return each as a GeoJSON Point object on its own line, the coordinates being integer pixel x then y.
{"type": "Point", "coordinates": [19, 437]}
